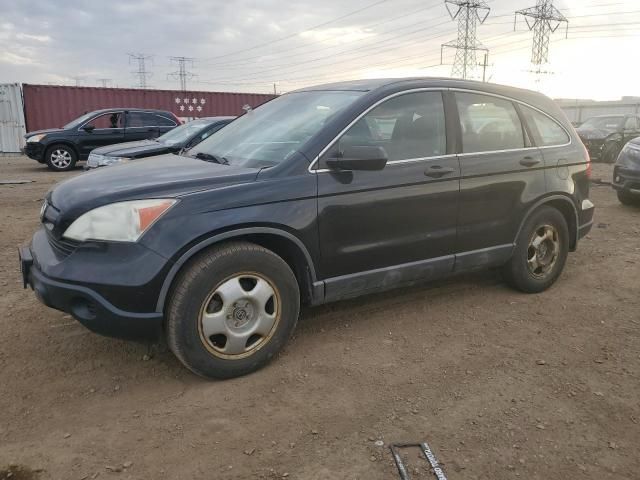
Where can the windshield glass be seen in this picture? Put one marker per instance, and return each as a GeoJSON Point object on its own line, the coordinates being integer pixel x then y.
{"type": "Point", "coordinates": [79, 121]}
{"type": "Point", "coordinates": [271, 133]}
{"type": "Point", "coordinates": [183, 132]}
{"type": "Point", "coordinates": [606, 123]}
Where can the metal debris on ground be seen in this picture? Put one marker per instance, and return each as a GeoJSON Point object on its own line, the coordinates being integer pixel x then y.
{"type": "Point", "coordinates": [15, 182]}
{"type": "Point", "coordinates": [428, 454]}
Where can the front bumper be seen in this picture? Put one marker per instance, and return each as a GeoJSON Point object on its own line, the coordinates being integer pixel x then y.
{"type": "Point", "coordinates": [626, 180]}
{"type": "Point", "coordinates": [55, 280]}
{"type": "Point", "coordinates": [35, 150]}
{"type": "Point", "coordinates": [594, 147]}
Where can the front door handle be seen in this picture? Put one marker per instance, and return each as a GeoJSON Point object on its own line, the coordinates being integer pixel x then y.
{"type": "Point", "coordinates": [438, 171]}
{"type": "Point", "coordinates": [530, 162]}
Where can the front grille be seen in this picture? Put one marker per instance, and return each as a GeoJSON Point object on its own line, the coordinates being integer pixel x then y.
{"type": "Point", "coordinates": [63, 246]}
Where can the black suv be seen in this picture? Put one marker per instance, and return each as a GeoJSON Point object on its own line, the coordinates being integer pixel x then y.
{"type": "Point", "coordinates": [318, 195]}
{"type": "Point", "coordinates": [604, 136]}
{"type": "Point", "coordinates": [61, 148]}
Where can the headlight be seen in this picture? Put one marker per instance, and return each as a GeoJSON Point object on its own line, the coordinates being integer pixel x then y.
{"type": "Point", "coordinates": [36, 138]}
{"type": "Point", "coordinates": [96, 160]}
{"type": "Point", "coordinates": [121, 222]}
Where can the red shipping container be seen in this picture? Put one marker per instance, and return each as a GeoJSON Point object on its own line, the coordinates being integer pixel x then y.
{"type": "Point", "coordinates": [49, 106]}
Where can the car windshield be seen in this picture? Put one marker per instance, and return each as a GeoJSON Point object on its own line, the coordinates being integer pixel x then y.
{"type": "Point", "coordinates": [184, 132]}
{"type": "Point", "coordinates": [273, 132]}
{"type": "Point", "coordinates": [603, 123]}
{"type": "Point", "coordinates": [79, 121]}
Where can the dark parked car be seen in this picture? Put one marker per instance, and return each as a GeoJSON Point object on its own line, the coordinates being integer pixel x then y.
{"type": "Point", "coordinates": [183, 137]}
{"type": "Point", "coordinates": [605, 136]}
{"type": "Point", "coordinates": [312, 198]}
{"type": "Point", "coordinates": [626, 174]}
{"type": "Point", "coordinates": [61, 148]}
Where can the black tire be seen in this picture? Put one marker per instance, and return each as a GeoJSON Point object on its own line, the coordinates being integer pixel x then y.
{"type": "Point", "coordinates": [54, 155]}
{"type": "Point", "coordinates": [610, 152]}
{"type": "Point", "coordinates": [195, 290]}
{"type": "Point", "coordinates": [517, 273]}
{"type": "Point", "coordinates": [628, 199]}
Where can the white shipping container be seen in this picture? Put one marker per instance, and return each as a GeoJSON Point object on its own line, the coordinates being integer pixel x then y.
{"type": "Point", "coordinates": [12, 126]}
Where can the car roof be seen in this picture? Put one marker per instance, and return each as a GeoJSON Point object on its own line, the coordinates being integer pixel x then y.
{"type": "Point", "coordinates": [129, 109]}
{"type": "Point", "coordinates": [214, 119]}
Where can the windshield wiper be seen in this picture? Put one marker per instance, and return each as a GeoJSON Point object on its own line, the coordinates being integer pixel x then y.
{"type": "Point", "coordinates": [207, 157]}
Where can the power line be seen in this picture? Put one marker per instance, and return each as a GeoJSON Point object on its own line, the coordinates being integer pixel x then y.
{"type": "Point", "coordinates": [324, 24]}
{"type": "Point", "coordinates": [140, 59]}
{"type": "Point", "coordinates": [182, 75]}
{"type": "Point", "coordinates": [468, 13]}
{"type": "Point", "coordinates": [104, 82]}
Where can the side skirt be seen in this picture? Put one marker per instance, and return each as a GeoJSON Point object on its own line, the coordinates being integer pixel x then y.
{"type": "Point", "coordinates": [362, 283]}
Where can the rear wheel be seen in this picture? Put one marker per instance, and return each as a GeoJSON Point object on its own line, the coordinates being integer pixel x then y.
{"type": "Point", "coordinates": [540, 253]}
{"type": "Point", "coordinates": [232, 309]}
{"type": "Point", "coordinates": [610, 152]}
{"type": "Point", "coordinates": [61, 158]}
{"type": "Point", "coordinates": [627, 199]}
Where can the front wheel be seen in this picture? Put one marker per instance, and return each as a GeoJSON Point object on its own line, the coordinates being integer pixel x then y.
{"type": "Point", "coordinates": [61, 158]}
{"type": "Point", "coordinates": [232, 310]}
{"type": "Point", "coordinates": [540, 253]}
{"type": "Point", "coordinates": [628, 199]}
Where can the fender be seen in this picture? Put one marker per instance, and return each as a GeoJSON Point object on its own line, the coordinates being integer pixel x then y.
{"type": "Point", "coordinates": [544, 201]}
{"type": "Point", "coordinates": [227, 236]}
{"type": "Point", "coordinates": [66, 143]}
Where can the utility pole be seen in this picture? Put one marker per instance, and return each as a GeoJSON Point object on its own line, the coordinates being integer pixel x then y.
{"type": "Point", "coordinates": [78, 80]}
{"type": "Point", "coordinates": [182, 75]}
{"type": "Point", "coordinates": [140, 60]}
{"type": "Point", "coordinates": [104, 82]}
{"type": "Point", "coordinates": [484, 66]}
{"type": "Point", "coordinates": [544, 19]}
{"type": "Point", "coordinates": [468, 13]}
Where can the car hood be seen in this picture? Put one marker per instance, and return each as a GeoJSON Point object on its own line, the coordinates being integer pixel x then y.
{"type": "Point", "coordinates": [594, 133]}
{"type": "Point", "coordinates": [132, 149]}
{"type": "Point", "coordinates": [164, 176]}
{"type": "Point", "coordinates": [48, 130]}
{"type": "Point", "coordinates": [630, 156]}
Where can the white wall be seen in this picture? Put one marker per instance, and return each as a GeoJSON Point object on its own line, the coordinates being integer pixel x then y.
{"type": "Point", "coordinates": [12, 128]}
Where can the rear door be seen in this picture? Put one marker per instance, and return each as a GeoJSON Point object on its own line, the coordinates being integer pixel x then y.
{"type": "Point", "coordinates": [104, 129]}
{"type": "Point", "coordinates": [631, 129]}
{"type": "Point", "coordinates": [396, 225]}
{"type": "Point", "coordinates": [502, 175]}
{"type": "Point", "coordinates": [145, 125]}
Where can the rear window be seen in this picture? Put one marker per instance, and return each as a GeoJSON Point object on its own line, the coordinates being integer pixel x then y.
{"type": "Point", "coordinates": [546, 132]}
{"type": "Point", "coordinates": [488, 123]}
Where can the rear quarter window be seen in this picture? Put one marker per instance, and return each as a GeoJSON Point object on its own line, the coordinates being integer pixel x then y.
{"type": "Point", "coordinates": [546, 131]}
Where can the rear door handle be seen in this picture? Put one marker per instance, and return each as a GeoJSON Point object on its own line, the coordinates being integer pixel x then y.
{"type": "Point", "coordinates": [438, 171]}
{"type": "Point", "coordinates": [530, 162]}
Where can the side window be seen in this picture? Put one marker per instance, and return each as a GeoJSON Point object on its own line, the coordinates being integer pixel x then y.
{"type": "Point", "coordinates": [142, 119]}
{"type": "Point", "coordinates": [162, 121]}
{"type": "Point", "coordinates": [488, 123]}
{"type": "Point", "coordinates": [409, 126]}
{"type": "Point", "coordinates": [631, 123]}
{"type": "Point", "coordinates": [546, 132]}
{"type": "Point", "coordinates": [107, 120]}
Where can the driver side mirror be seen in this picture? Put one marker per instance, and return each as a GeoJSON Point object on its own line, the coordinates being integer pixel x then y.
{"type": "Point", "coordinates": [359, 157]}
{"type": "Point", "coordinates": [89, 128]}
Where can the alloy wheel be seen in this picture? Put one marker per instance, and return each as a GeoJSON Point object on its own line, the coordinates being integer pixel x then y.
{"type": "Point", "coordinates": [543, 251]}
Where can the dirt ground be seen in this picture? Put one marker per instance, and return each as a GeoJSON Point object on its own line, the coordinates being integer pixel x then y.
{"type": "Point", "coordinates": [501, 384]}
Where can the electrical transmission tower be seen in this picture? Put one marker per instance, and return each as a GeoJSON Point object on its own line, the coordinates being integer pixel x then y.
{"type": "Point", "coordinates": [140, 59]}
{"type": "Point", "coordinates": [182, 75]}
{"type": "Point", "coordinates": [104, 82]}
{"type": "Point", "coordinates": [544, 19]}
{"type": "Point", "coordinates": [468, 13]}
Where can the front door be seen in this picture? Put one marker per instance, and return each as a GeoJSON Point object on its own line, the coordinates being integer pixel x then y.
{"type": "Point", "coordinates": [502, 176]}
{"type": "Point", "coordinates": [105, 129]}
{"type": "Point", "coordinates": [396, 225]}
{"type": "Point", "coordinates": [631, 129]}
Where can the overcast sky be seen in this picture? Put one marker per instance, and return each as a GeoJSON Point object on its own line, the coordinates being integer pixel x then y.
{"type": "Point", "coordinates": [241, 45]}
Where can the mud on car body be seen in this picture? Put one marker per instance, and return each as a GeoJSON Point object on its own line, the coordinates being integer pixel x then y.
{"type": "Point", "coordinates": [321, 194]}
